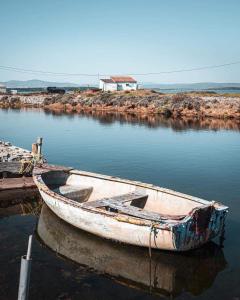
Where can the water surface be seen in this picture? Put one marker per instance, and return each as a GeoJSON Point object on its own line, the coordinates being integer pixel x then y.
{"type": "Point", "coordinates": [199, 158]}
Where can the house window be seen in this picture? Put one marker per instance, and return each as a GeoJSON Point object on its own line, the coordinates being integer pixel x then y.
{"type": "Point", "coordinates": [128, 84]}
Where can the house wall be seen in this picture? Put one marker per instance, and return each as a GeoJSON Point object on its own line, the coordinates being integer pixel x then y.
{"type": "Point", "coordinates": [107, 86]}
{"type": "Point", "coordinates": [123, 86]}
{"type": "Point", "coordinates": [101, 84]}
{"type": "Point", "coordinates": [127, 86]}
{"type": "Point", "coordinates": [3, 89]}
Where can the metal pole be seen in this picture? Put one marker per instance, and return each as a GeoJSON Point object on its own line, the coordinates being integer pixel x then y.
{"type": "Point", "coordinates": [29, 250]}
{"type": "Point", "coordinates": [39, 142]}
{"type": "Point", "coordinates": [39, 149]}
{"type": "Point", "coordinates": [25, 273]}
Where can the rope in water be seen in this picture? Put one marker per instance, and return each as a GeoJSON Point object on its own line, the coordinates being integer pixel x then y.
{"type": "Point", "coordinates": [150, 237]}
{"type": "Point", "coordinates": [150, 254]}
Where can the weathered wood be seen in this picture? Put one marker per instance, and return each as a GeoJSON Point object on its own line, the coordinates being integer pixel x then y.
{"type": "Point", "coordinates": [34, 148]}
{"type": "Point", "coordinates": [140, 213]}
{"type": "Point", "coordinates": [11, 167]}
{"type": "Point", "coordinates": [16, 167]}
{"type": "Point", "coordinates": [118, 203]}
{"type": "Point", "coordinates": [44, 168]}
{"type": "Point", "coordinates": [117, 199]}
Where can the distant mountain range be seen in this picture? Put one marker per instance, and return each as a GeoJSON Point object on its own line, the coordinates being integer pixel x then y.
{"type": "Point", "coordinates": [193, 86]}
{"type": "Point", "coordinates": [35, 83]}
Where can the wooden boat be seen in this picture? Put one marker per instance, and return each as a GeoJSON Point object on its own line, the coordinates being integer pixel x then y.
{"type": "Point", "coordinates": [165, 273]}
{"type": "Point", "coordinates": [129, 211]}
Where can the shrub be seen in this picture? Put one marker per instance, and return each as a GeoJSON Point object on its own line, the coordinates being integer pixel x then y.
{"type": "Point", "coordinates": [179, 97]}
{"type": "Point", "coordinates": [167, 112]}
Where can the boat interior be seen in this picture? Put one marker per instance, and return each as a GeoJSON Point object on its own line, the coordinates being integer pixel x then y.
{"type": "Point", "coordinates": [122, 196]}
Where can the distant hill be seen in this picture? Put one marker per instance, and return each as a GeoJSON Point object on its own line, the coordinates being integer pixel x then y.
{"type": "Point", "coordinates": [192, 86]}
{"type": "Point", "coordinates": [35, 83]}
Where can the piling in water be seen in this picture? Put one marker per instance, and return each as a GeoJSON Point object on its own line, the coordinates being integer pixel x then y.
{"type": "Point", "coordinates": [25, 271]}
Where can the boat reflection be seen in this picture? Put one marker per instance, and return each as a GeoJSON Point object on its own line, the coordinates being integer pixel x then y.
{"type": "Point", "coordinates": [165, 273]}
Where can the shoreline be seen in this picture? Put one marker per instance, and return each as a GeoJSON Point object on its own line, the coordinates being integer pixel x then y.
{"type": "Point", "coordinates": [140, 102]}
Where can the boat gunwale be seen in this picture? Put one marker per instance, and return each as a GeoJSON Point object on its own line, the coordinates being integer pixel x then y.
{"type": "Point", "coordinates": [148, 186]}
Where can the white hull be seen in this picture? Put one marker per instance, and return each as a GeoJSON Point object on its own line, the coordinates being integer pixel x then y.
{"type": "Point", "coordinates": [167, 235]}
{"type": "Point", "coordinates": [108, 227]}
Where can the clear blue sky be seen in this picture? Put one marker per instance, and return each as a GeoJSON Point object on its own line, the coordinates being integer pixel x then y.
{"type": "Point", "coordinates": [126, 36]}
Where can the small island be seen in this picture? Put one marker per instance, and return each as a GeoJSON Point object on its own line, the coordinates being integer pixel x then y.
{"type": "Point", "coordinates": [139, 102]}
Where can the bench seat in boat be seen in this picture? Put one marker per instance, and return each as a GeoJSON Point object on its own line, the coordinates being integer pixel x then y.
{"type": "Point", "coordinates": [76, 193]}
{"type": "Point", "coordinates": [120, 204]}
{"type": "Point", "coordinates": [135, 199]}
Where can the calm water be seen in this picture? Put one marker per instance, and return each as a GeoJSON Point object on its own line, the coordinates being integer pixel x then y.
{"type": "Point", "coordinates": [191, 157]}
{"type": "Point", "coordinates": [175, 91]}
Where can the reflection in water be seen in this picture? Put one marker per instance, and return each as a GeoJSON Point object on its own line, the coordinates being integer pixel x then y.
{"type": "Point", "coordinates": [24, 208]}
{"type": "Point", "coordinates": [165, 274]}
{"type": "Point", "coordinates": [155, 121]}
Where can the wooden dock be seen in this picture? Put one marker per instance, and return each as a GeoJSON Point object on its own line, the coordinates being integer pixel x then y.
{"type": "Point", "coordinates": [16, 183]}
{"type": "Point", "coordinates": [12, 159]}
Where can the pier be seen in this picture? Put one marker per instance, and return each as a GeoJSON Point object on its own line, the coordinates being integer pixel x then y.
{"type": "Point", "coordinates": [12, 159]}
{"type": "Point", "coordinates": [16, 183]}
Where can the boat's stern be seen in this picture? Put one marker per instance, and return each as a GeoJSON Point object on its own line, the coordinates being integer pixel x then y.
{"type": "Point", "coordinates": [203, 224]}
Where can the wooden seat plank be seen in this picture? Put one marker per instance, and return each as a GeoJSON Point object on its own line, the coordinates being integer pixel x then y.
{"type": "Point", "coordinates": [137, 212]}
{"type": "Point", "coordinates": [118, 203]}
{"type": "Point", "coordinates": [116, 199]}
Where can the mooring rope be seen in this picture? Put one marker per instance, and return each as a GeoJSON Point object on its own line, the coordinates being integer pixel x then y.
{"type": "Point", "coordinates": [30, 164]}
{"type": "Point", "coordinates": [150, 255]}
{"type": "Point", "coordinates": [150, 242]}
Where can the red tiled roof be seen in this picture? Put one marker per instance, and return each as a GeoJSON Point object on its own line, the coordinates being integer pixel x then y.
{"type": "Point", "coordinates": [107, 80]}
{"type": "Point", "coordinates": [123, 79]}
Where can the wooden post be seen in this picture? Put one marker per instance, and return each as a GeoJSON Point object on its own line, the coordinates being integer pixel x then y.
{"type": "Point", "coordinates": [34, 149]}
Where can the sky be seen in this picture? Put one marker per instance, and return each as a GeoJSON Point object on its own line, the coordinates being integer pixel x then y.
{"type": "Point", "coordinates": [120, 37]}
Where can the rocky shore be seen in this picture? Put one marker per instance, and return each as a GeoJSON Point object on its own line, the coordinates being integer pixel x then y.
{"type": "Point", "coordinates": [141, 102]}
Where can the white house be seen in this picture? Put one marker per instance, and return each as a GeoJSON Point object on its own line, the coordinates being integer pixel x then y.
{"type": "Point", "coordinates": [14, 92]}
{"type": "Point", "coordinates": [3, 89]}
{"type": "Point", "coordinates": [118, 83]}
